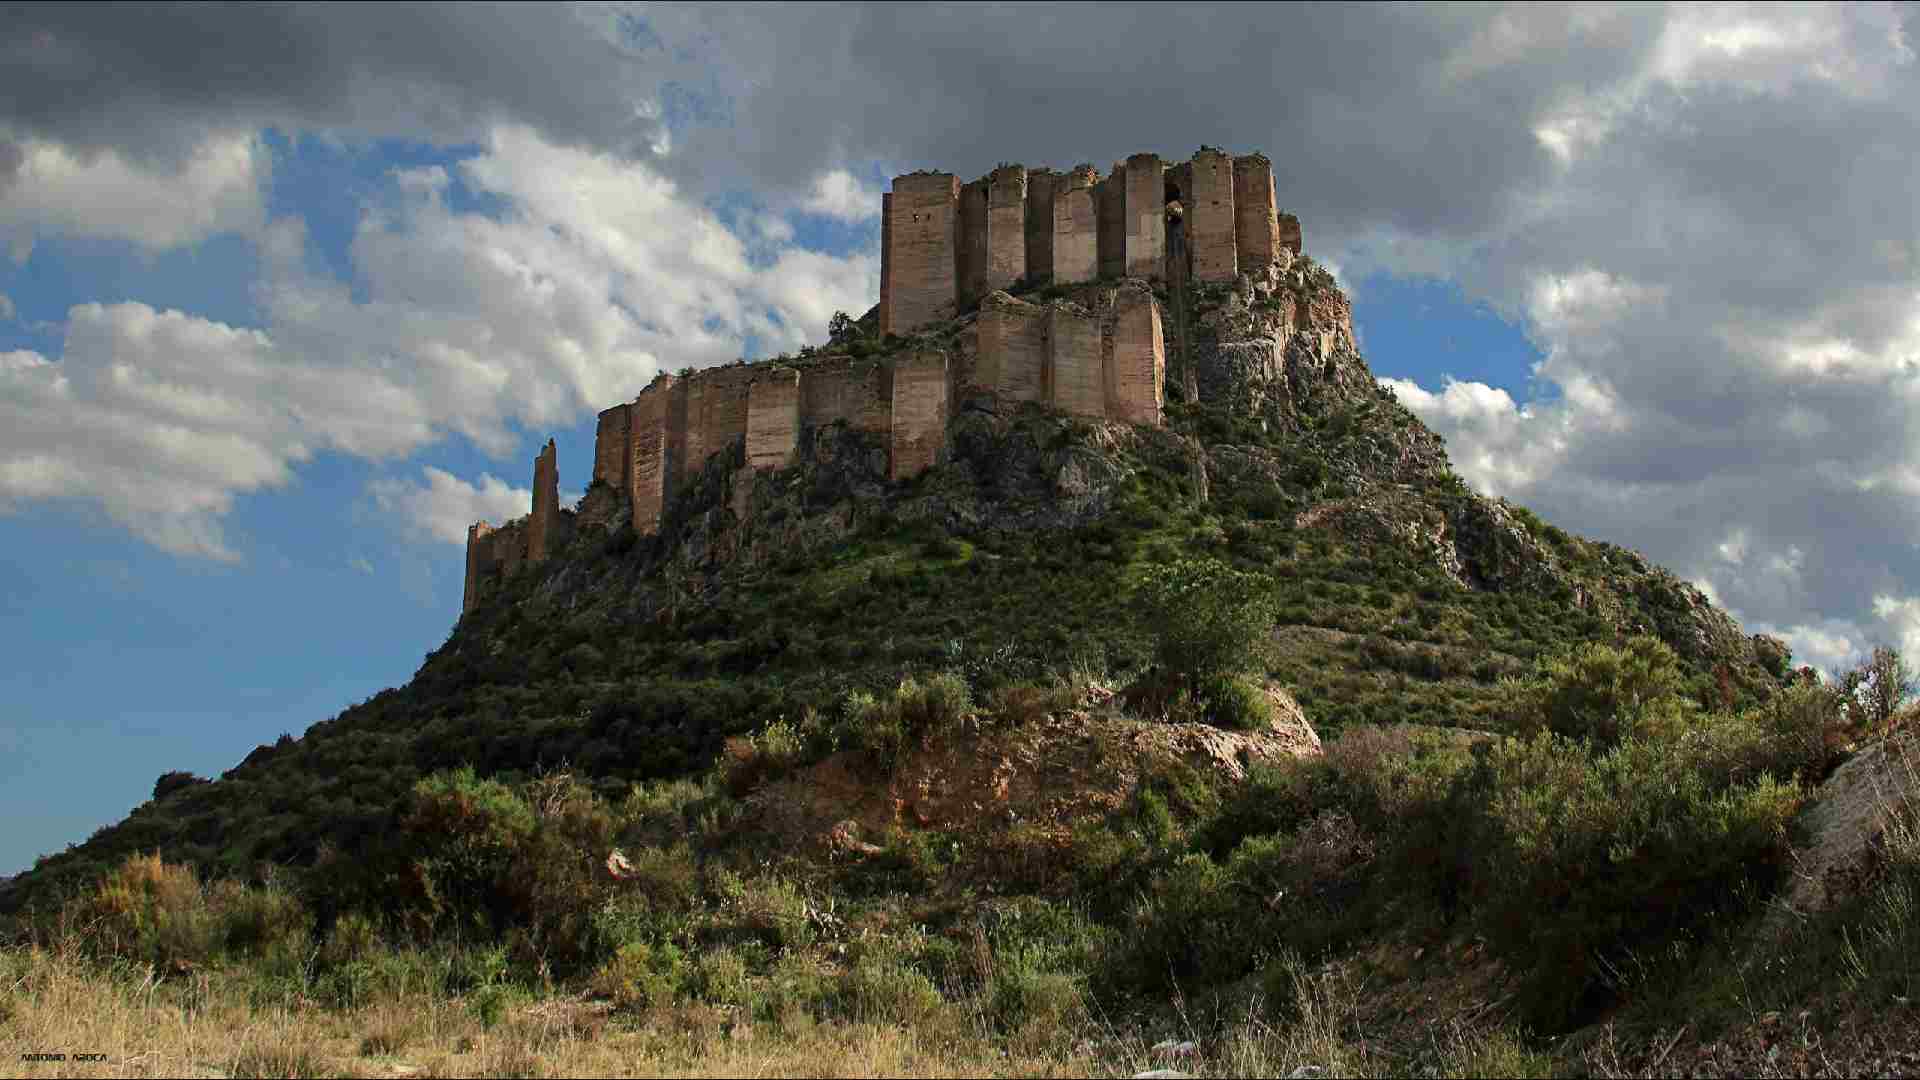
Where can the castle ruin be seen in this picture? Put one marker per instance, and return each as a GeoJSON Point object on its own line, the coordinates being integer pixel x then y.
{"type": "Point", "coordinates": [952, 251]}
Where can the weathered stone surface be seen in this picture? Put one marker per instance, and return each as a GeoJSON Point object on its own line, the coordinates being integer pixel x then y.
{"type": "Point", "coordinates": [920, 273]}
{"type": "Point", "coordinates": [1256, 212]}
{"type": "Point", "coordinates": [546, 502]}
{"type": "Point", "coordinates": [1289, 233]}
{"type": "Point", "coordinates": [843, 390]}
{"type": "Point", "coordinates": [970, 258]}
{"type": "Point", "coordinates": [1139, 365]}
{"type": "Point", "coordinates": [1110, 207]}
{"type": "Point", "coordinates": [659, 445]}
{"type": "Point", "coordinates": [1006, 246]}
{"type": "Point", "coordinates": [1075, 379]}
{"type": "Point", "coordinates": [1043, 186]}
{"type": "Point", "coordinates": [480, 563]}
{"type": "Point", "coordinates": [886, 261]}
{"type": "Point", "coordinates": [1145, 208]}
{"type": "Point", "coordinates": [1212, 230]}
{"type": "Point", "coordinates": [773, 419]}
{"type": "Point", "coordinates": [610, 454]}
{"type": "Point", "coordinates": [510, 547]}
{"type": "Point", "coordinates": [1012, 348]}
{"type": "Point", "coordinates": [716, 413]}
{"type": "Point", "coordinates": [919, 413]}
{"type": "Point", "coordinates": [1076, 237]}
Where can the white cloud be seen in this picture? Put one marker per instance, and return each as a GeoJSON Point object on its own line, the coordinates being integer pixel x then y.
{"type": "Point", "coordinates": [837, 194]}
{"type": "Point", "coordinates": [598, 274]}
{"type": "Point", "coordinates": [444, 506]}
{"type": "Point", "coordinates": [217, 188]}
{"type": "Point", "coordinates": [6, 308]}
{"type": "Point", "coordinates": [1900, 616]}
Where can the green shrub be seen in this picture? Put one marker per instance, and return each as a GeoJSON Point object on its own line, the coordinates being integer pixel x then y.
{"type": "Point", "coordinates": [150, 911]}
{"type": "Point", "coordinates": [1208, 619]}
{"type": "Point", "coordinates": [1577, 858]}
{"type": "Point", "coordinates": [883, 988]}
{"type": "Point", "coordinates": [641, 975]}
{"type": "Point", "coordinates": [1605, 694]}
{"type": "Point", "coordinates": [1237, 702]}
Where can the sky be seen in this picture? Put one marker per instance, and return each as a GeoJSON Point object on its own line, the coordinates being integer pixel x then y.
{"type": "Point", "coordinates": [290, 295]}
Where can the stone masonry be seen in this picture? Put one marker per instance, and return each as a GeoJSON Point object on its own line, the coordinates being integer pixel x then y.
{"type": "Point", "coordinates": [773, 419]}
{"type": "Point", "coordinates": [919, 413]}
{"type": "Point", "coordinates": [945, 245]}
{"type": "Point", "coordinates": [1212, 231]}
{"type": "Point", "coordinates": [542, 522]}
{"type": "Point", "coordinates": [919, 252]}
{"type": "Point", "coordinates": [944, 248]}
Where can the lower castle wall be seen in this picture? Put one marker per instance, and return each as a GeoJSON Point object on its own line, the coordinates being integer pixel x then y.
{"type": "Point", "coordinates": [919, 413]}
{"type": "Point", "coordinates": [716, 413]}
{"type": "Point", "coordinates": [1138, 372]}
{"type": "Point", "coordinates": [773, 419]}
{"type": "Point", "coordinates": [1013, 348]}
{"type": "Point", "coordinates": [1074, 376]}
{"type": "Point", "coordinates": [857, 393]}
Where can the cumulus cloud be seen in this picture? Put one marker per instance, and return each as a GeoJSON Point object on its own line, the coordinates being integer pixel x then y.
{"type": "Point", "coordinates": [596, 275]}
{"type": "Point", "coordinates": [6, 308]}
{"type": "Point", "coordinates": [444, 505]}
{"type": "Point", "coordinates": [837, 194]}
{"type": "Point", "coordinates": [217, 187]}
{"type": "Point", "coordinates": [1701, 213]}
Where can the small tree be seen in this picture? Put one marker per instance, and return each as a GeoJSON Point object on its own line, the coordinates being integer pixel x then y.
{"type": "Point", "coordinates": [1208, 619]}
{"type": "Point", "coordinates": [840, 328]}
{"type": "Point", "coordinates": [1877, 688]}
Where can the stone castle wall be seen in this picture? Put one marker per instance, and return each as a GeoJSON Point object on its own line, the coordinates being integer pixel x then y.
{"type": "Point", "coordinates": [1011, 346]}
{"type": "Point", "coordinates": [1256, 216]}
{"type": "Point", "coordinates": [542, 523]}
{"type": "Point", "coordinates": [773, 419]}
{"type": "Point", "coordinates": [1137, 376]}
{"type": "Point", "coordinates": [970, 238]}
{"type": "Point", "coordinates": [1043, 186]}
{"type": "Point", "coordinates": [944, 245]}
{"type": "Point", "coordinates": [1075, 371]}
{"type": "Point", "coordinates": [1076, 228]}
{"type": "Point", "coordinates": [919, 251]}
{"type": "Point", "coordinates": [919, 411]}
{"type": "Point", "coordinates": [610, 457]}
{"type": "Point", "coordinates": [1212, 227]}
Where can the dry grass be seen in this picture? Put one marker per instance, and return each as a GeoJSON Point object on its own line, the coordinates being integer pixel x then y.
{"type": "Point", "coordinates": [203, 1026]}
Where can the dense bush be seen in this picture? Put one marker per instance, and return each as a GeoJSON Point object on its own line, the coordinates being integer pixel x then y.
{"type": "Point", "coordinates": [1208, 619]}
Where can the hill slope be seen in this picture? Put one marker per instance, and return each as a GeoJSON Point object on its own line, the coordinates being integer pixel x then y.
{"type": "Point", "coordinates": [1402, 595]}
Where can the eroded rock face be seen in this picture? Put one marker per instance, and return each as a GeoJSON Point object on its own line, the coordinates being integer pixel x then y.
{"type": "Point", "coordinates": [1847, 827]}
{"type": "Point", "coordinates": [1041, 779]}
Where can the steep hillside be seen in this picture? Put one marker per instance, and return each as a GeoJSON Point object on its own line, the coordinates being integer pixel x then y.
{"type": "Point", "coordinates": [1402, 596]}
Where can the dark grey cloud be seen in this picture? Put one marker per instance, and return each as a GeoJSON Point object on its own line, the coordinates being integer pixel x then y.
{"type": "Point", "coordinates": [1704, 216]}
{"type": "Point", "coordinates": [143, 80]}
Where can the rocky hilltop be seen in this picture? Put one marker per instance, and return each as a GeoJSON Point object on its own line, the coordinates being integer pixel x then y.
{"type": "Point", "coordinates": [760, 540]}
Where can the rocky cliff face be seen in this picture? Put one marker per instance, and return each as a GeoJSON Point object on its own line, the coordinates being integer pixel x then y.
{"type": "Point", "coordinates": [1290, 430]}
